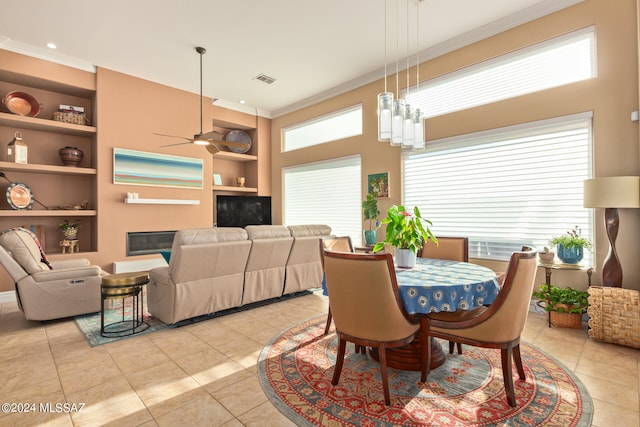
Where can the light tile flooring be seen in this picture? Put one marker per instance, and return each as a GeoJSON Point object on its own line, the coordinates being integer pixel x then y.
{"type": "Point", "coordinates": [205, 373]}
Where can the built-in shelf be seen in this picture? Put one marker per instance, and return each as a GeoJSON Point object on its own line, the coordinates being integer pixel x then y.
{"type": "Point", "coordinates": [162, 201]}
{"type": "Point", "coordinates": [228, 155]}
{"type": "Point", "coordinates": [237, 189]}
{"type": "Point", "coordinates": [35, 168]}
{"type": "Point", "coordinates": [34, 123]}
{"type": "Point", "coordinates": [43, 213]}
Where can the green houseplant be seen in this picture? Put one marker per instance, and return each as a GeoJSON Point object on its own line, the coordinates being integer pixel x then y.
{"type": "Point", "coordinates": [69, 228]}
{"type": "Point", "coordinates": [406, 232]}
{"type": "Point", "coordinates": [571, 245]}
{"type": "Point", "coordinates": [371, 213]}
{"type": "Point", "coordinates": [565, 305]}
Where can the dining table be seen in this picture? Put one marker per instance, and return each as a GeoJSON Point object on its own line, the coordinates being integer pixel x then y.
{"type": "Point", "coordinates": [435, 285]}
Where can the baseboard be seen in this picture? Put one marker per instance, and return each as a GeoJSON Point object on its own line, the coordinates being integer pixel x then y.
{"type": "Point", "coordinates": [7, 296]}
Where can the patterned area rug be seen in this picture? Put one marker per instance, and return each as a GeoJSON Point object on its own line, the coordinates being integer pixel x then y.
{"type": "Point", "coordinates": [295, 371]}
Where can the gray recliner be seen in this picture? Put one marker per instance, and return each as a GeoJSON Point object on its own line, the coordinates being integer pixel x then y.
{"type": "Point", "coordinates": [47, 291]}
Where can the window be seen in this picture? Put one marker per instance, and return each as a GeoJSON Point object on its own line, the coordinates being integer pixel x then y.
{"type": "Point", "coordinates": [327, 192]}
{"type": "Point", "coordinates": [563, 60]}
{"type": "Point", "coordinates": [331, 127]}
{"type": "Point", "coordinates": [506, 187]}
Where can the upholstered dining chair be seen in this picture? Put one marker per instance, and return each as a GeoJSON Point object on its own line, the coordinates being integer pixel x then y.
{"type": "Point", "coordinates": [334, 244]}
{"type": "Point", "coordinates": [447, 248]}
{"type": "Point", "coordinates": [496, 326]}
{"type": "Point", "coordinates": [366, 306]}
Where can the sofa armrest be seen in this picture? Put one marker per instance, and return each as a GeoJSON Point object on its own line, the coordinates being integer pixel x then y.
{"type": "Point", "coordinates": [68, 273]}
{"type": "Point", "coordinates": [70, 263]}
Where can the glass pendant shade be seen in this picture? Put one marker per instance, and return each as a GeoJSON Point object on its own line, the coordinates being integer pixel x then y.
{"type": "Point", "coordinates": [418, 130]}
{"type": "Point", "coordinates": [407, 127]}
{"type": "Point", "coordinates": [385, 107]}
{"type": "Point", "coordinates": [397, 122]}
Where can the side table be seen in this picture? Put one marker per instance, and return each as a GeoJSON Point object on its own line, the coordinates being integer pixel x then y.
{"type": "Point", "coordinates": [550, 266]}
{"type": "Point", "coordinates": [122, 286]}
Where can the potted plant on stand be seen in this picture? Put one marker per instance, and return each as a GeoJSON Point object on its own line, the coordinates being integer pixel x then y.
{"type": "Point", "coordinates": [406, 232]}
{"type": "Point", "coordinates": [565, 305]}
{"type": "Point", "coordinates": [571, 246]}
{"type": "Point", "coordinates": [69, 229]}
{"type": "Point", "coordinates": [371, 213]}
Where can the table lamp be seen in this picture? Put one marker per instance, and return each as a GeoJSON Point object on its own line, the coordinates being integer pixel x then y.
{"type": "Point", "coordinates": [612, 193]}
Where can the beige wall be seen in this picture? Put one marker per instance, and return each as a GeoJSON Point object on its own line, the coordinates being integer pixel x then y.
{"type": "Point", "coordinates": [612, 96]}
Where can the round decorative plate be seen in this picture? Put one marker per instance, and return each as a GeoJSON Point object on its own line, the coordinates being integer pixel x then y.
{"type": "Point", "coordinates": [242, 137]}
{"type": "Point", "coordinates": [19, 196]}
{"type": "Point", "coordinates": [21, 103]}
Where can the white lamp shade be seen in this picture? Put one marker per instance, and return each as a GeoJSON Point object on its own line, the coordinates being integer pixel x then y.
{"type": "Point", "coordinates": [612, 192]}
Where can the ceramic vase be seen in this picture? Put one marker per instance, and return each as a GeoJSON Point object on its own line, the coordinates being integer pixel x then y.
{"type": "Point", "coordinates": [370, 237]}
{"type": "Point", "coordinates": [570, 255]}
{"type": "Point", "coordinates": [70, 156]}
{"type": "Point", "coordinates": [405, 258]}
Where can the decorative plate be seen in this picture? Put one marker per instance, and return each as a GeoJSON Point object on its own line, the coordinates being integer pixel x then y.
{"type": "Point", "coordinates": [239, 136]}
{"type": "Point", "coordinates": [19, 196]}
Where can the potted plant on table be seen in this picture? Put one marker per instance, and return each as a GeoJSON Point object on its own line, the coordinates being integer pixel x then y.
{"type": "Point", "coordinates": [565, 305]}
{"type": "Point", "coordinates": [69, 228]}
{"type": "Point", "coordinates": [571, 246]}
{"type": "Point", "coordinates": [371, 213]}
{"type": "Point", "coordinates": [407, 233]}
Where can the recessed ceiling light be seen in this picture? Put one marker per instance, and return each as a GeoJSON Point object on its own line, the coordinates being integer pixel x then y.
{"type": "Point", "coordinates": [51, 45]}
{"type": "Point", "coordinates": [242, 101]}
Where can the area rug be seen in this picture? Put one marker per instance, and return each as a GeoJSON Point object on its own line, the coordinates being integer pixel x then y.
{"type": "Point", "coordinates": [295, 372]}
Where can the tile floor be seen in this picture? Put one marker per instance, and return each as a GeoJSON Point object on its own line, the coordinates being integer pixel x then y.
{"type": "Point", "coordinates": [205, 373]}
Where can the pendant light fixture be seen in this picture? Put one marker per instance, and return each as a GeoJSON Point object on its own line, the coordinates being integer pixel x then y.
{"type": "Point", "coordinates": [385, 99]}
{"type": "Point", "coordinates": [397, 118]}
{"type": "Point", "coordinates": [407, 120]}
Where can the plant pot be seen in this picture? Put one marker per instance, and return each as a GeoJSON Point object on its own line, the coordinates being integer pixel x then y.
{"type": "Point", "coordinates": [405, 258]}
{"type": "Point", "coordinates": [571, 255]}
{"type": "Point", "coordinates": [70, 233]}
{"type": "Point", "coordinates": [546, 257]}
{"type": "Point", "coordinates": [566, 320]}
{"type": "Point", "coordinates": [370, 237]}
{"type": "Point", "coordinates": [70, 156]}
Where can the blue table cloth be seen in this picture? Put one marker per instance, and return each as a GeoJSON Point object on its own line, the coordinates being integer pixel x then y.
{"type": "Point", "coordinates": [437, 285]}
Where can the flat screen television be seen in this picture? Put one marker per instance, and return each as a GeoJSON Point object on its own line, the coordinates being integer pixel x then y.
{"type": "Point", "coordinates": [240, 211]}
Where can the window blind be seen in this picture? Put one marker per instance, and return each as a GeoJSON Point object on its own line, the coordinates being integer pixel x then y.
{"type": "Point", "coordinates": [327, 192]}
{"type": "Point", "coordinates": [505, 188]}
{"type": "Point", "coordinates": [331, 127]}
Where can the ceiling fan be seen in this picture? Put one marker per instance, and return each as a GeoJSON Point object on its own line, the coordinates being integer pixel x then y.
{"type": "Point", "coordinates": [211, 140]}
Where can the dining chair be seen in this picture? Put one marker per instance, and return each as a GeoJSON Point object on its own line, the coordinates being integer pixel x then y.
{"type": "Point", "coordinates": [498, 325]}
{"type": "Point", "coordinates": [334, 244]}
{"type": "Point", "coordinates": [447, 248]}
{"type": "Point", "coordinates": [367, 309]}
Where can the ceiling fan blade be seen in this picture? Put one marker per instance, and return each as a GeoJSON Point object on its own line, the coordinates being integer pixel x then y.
{"type": "Point", "coordinates": [231, 144]}
{"type": "Point", "coordinates": [173, 136]}
{"type": "Point", "coordinates": [212, 136]}
{"type": "Point", "coordinates": [211, 148]}
{"type": "Point", "coordinates": [179, 143]}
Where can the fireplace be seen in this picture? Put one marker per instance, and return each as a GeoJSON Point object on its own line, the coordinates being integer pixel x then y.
{"type": "Point", "coordinates": [149, 242]}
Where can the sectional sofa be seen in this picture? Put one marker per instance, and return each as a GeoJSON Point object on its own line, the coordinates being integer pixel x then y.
{"type": "Point", "coordinates": [213, 269]}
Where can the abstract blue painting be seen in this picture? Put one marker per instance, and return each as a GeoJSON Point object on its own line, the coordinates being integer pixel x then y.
{"type": "Point", "coordinates": [161, 170]}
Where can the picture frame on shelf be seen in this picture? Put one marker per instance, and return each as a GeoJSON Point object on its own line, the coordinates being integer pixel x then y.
{"type": "Point", "coordinates": [378, 185]}
{"type": "Point", "coordinates": [217, 179]}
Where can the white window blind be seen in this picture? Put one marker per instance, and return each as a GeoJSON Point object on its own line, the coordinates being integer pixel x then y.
{"type": "Point", "coordinates": [331, 127]}
{"type": "Point", "coordinates": [326, 192]}
{"type": "Point", "coordinates": [563, 60]}
{"type": "Point", "coordinates": [506, 187]}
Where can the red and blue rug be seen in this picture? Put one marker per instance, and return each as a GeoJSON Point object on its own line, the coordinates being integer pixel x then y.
{"type": "Point", "coordinates": [295, 371]}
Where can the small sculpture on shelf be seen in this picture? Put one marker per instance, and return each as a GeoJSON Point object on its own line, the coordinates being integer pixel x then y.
{"type": "Point", "coordinates": [69, 230]}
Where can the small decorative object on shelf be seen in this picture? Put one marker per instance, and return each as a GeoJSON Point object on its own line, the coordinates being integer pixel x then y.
{"type": "Point", "coordinates": [240, 181]}
{"type": "Point", "coordinates": [546, 256]}
{"type": "Point", "coordinates": [571, 246]}
{"type": "Point", "coordinates": [69, 228]}
{"type": "Point", "coordinates": [70, 156]}
{"type": "Point", "coordinates": [17, 149]}
{"type": "Point", "coordinates": [19, 196]}
{"type": "Point", "coordinates": [70, 246]}
{"type": "Point", "coordinates": [71, 114]}
{"type": "Point", "coordinates": [406, 233]}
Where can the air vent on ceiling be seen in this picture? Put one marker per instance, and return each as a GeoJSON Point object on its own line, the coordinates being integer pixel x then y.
{"type": "Point", "coordinates": [264, 78]}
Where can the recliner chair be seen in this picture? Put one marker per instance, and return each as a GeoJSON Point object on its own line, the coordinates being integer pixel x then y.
{"type": "Point", "coordinates": [47, 291]}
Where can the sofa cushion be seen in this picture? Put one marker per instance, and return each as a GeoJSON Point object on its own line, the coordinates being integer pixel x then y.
{"type": "Point", "coordinates": [309, 230]}
{"type": "Point", "coordinates": [267, 231]}
{"type": "Point", "coordinates": [24, 249]}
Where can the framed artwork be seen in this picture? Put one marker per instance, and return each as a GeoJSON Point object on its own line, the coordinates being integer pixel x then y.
{"type": "Point", "coordinates": [378, 184]}
{"type": "Point", "coordinates": [160, 170]}
{"type": "Point", "coordinates": [217, 179]}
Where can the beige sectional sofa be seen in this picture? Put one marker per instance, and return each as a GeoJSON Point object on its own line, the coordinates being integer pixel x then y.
{"type": "Point", "coordinates": [213, 269]}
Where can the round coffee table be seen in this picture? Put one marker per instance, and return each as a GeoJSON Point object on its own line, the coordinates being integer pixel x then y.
{"type": "Point", "coordinates": [122, 286]}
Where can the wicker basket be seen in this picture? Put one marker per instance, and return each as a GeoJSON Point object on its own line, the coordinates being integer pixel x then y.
{"type": "Point", "coordinates": [566, 320]}
{"type": "Point", "coordinates": [614, 315]}
{"type": "Point", "coordinates": [75, 118]}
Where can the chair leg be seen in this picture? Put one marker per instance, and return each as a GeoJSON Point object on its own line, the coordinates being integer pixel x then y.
{"type": "Point", "coordinates": [458, 346]}
{"type": "Point", "coordinates": [507, 373]}
{"type": "Point", "coordinates": [328, 325]}
{"type": "Point", "coordinates": [517, 358]}
{"type": "Point", "coordinates": [425, 346]}
{"type": "Point", "coordinates": [382, 351]}
{"type": "Point", "coordinates": [342, 346]}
